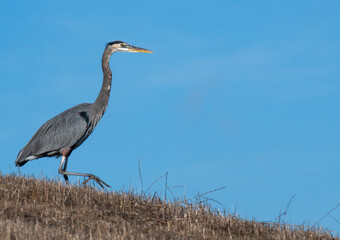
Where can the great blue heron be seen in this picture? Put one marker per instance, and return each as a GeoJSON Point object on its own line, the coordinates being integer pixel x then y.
{"type": "Point", "coordinates": [65, 132]}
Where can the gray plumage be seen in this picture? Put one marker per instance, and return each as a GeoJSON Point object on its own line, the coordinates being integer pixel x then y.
{"type": "Point", "coordinates": [65, 132]}
{"type": "Point", "coordinates": [68, 129]}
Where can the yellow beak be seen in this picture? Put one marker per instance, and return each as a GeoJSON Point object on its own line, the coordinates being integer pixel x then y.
{"type": "Point", "coordinates": [138, 49]}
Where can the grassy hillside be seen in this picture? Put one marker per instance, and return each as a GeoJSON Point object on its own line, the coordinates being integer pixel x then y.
{"type": "Point", "coordinates": [42, 209]}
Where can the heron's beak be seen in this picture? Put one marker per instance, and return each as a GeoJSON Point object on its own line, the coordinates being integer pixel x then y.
{"type": "Point", "coordinates": [138, 49]}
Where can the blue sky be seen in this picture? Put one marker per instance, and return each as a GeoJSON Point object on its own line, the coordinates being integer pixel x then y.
{"type": "Point", "coordinates": [238, 94]}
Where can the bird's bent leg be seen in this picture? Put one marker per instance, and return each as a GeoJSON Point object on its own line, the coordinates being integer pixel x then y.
{"type": "Point", "coordinates": [63, 165]}
{"type": "Point", "coordinates": [89, 175]}
{"type": "Point", "coordinates": [62, 168]}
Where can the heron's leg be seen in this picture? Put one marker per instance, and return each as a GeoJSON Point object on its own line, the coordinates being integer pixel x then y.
{"type": "Point", "coordinates": [65, 164]}
{"type": "Point", "coordinates": [89, 175]}
{"type": "Point", "coordinates": [62, 168]}
{"type": "Point", "coordinates": [62, 171]}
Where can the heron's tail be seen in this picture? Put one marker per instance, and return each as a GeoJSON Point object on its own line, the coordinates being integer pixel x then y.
{"type": "Point", "coordinates": [19, 164]}
{"type": "Point", "coordinates": [19, 161]}
{"type": "Point", "coordinates": [22, 158]}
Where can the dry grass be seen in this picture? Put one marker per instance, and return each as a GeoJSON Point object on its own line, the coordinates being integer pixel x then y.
{"type": "Point", "coordinates": [44, 209]}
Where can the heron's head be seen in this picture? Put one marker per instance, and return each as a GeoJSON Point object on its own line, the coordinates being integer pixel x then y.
{"type": "Point", "coordinates": [119, 46]}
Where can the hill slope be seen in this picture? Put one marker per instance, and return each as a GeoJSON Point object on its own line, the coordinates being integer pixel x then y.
{"type": "Point", "coordinates": [42, 209]}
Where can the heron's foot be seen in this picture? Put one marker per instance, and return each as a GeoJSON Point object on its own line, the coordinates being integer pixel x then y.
{"type": "Point", "coordinates": [97, 180]}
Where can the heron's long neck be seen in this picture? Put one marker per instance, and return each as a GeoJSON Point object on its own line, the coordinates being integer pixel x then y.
{"type": "Point", "coordinates": [102, 100]}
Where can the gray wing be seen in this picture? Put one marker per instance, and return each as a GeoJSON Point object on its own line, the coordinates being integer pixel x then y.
{"type": "Point", "coordinates": [68, 129]}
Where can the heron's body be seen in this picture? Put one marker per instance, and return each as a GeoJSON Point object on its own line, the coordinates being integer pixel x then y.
{"type": "Point", "coordinates": [60, 135]}
{"type": "Point", "coordinates": [69, 129]}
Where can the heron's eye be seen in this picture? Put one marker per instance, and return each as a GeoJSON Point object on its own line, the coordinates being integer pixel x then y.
{"type": "Point", "coordinates": [122, 45]}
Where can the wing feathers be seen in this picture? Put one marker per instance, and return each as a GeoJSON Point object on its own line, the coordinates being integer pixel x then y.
{"type": "Point", "coordinates": [68, 129]}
